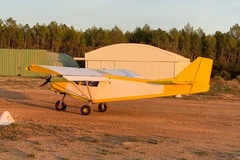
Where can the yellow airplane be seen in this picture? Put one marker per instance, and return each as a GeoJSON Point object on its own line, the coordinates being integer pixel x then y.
{"type": "Point", "coordinates": [101, 86]}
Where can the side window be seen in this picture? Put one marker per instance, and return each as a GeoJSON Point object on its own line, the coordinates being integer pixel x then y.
{"type": "Point", "coordinates": [90, 83]}
{"type": "Point", "coordinates": [93, 83]}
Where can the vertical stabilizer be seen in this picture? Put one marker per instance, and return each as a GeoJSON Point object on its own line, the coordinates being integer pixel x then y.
{"type": "Point", "coordinates": [198, 73]}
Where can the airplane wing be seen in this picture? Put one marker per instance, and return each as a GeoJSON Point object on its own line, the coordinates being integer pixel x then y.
{"type": "Point", "coordinates": [122, 72]}
{"type": "Point", "coordinates": [82, 74]}
{"type": "Point", "coordinates": [70, 73]}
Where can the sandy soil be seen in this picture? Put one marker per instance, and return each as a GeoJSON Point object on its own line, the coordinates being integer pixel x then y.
{"type": "Point", "coordinates": [159, 128]}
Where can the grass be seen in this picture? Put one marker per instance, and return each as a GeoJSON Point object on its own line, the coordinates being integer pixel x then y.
{"type": "Point", "coordinates": [152, 141]}
{"type": "Point", "coordinates": [11, 132]}
{"type": "Point", "coordinates": [106, 143]}
{"type": "Point", "coordinates": [89, 139]}
{"type": "Point", "coordinates": [64, 158]}
{"type": "Point", "coordinates": [107, 152]}
{"type": "Point", "coordinates": [218, 87]}
{"type": "Point", "coordinates": [104, 152]}
{"type": "Point", "coordinates": [17, 131]}
{"type": "Point", "coordinates": [37, 143]}
{"type": "Point", "coordinates": [200, 153]}
{"type": "Point", "coordinates": [31, 155]}
{"type": "Point", "coordinates": [3, 150]}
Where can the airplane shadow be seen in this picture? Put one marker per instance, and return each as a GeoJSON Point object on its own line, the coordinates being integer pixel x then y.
{"type": "Point", "coordinates": [21, 98]}
{"type": "Point", "coordinates": [47, 107]}
{"type": "Point", "coordinates": [30, 104]}
{"type": "Point", "coordinates": [12, 95]}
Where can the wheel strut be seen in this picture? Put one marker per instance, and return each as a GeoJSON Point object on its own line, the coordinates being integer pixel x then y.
{"type": "Point", "coordinates": [64, 95]}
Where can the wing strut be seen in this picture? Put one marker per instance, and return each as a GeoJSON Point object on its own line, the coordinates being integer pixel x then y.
{"type": "Point", "coordinates": [89, 91]}
{"type": "Point", "coordinates": [83, 95]}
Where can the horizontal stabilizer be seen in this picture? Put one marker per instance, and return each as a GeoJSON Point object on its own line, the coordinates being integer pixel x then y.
{"type": "Point", "coordinates": [169, 82]}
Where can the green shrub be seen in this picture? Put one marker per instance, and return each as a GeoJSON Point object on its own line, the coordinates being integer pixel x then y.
{"type": "Point", "coordinates": [218, 80]}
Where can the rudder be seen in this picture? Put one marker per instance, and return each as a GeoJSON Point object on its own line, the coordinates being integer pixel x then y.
{"type": "Point", "coordinates": [198, 72]}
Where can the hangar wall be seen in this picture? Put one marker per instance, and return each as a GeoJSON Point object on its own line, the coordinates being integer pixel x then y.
{"type": "Point", "coordinates": [150, 62]}
{"type": "Point", "coordinates": [14, 61]}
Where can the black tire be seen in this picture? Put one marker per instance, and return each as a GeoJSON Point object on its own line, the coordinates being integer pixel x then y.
{"type": "Point", "coordinates": [102, 107]}
{"type": "Point", "coordinates": [64, 106]}
{"type": "Point", "coordinates": [85, 110]}
{"type": "Point", "coordinates": [60, 105]}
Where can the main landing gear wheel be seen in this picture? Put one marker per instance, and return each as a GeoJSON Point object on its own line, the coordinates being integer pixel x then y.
{"type": "Point", "coordinates": [60, 105]}
{"type": "Point", "coordinates": [85, 110]}
{"type": "Point", "coordinates": [102, 107]}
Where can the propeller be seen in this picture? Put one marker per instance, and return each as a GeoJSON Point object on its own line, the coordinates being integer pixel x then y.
{"type": "Point", "coordinates": [46, 82]}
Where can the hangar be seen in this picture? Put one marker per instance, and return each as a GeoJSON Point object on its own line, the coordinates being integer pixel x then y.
{"type": "Point", "coordinates": [14, 61]}
{"type": "Point", "coordinates": [148, 61]}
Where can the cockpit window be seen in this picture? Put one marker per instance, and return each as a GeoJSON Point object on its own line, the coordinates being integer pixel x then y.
{"type": "Point", "coordinates": [90, 83]}
{"type": "Point", "coordinates": [77, 82]}
{"type": "Point", "coordinates": [93, 83]}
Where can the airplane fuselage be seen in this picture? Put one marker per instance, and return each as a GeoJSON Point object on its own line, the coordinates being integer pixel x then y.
{"type": "Point", "coordinates": [116, 89]}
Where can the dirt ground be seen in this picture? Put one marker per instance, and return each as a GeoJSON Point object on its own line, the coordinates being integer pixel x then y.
{"type": "Point", "coordinates": [159, 128]}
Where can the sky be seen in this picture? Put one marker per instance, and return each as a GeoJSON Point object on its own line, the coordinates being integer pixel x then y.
{"type": "Point", "coordinates": [209, 15]}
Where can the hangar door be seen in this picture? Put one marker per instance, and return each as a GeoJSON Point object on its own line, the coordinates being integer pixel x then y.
{"type": "Point", "coordinates": [149, 70]}
{"type": "Point", "coordinates": [100, 64]}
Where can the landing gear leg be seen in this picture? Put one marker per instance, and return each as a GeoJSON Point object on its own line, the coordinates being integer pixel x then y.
{"type": "Point", "coordinates": [60, 105]}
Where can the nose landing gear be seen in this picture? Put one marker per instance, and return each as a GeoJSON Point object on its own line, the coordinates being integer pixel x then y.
{"type": "Point", "coordinates": [60, 105]}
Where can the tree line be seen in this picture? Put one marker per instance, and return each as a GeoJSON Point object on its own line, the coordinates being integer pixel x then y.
{"type": "Point", "coordinates": [223, 48]}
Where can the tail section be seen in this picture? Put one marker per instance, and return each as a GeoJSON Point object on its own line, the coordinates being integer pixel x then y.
{"type": "Point", "coordinates": [198, 73]}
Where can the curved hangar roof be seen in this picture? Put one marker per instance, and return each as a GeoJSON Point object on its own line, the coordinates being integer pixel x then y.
{"type": "Point", "coordinates": [134, 52]}
{"type": "Point", "coordinates": [60, 59]}
{"type": "Point", "coordinates": [148, 61]}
